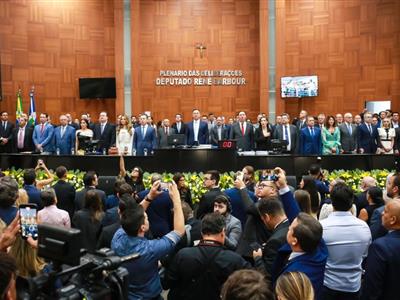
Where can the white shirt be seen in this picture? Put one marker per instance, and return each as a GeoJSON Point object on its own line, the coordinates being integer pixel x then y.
{"type": "Point", "coordinates": [196, 126]}
{"type": "Point", "coordinates": [347, 239]}
{"type": "Point", "coordinates": [288, 135]}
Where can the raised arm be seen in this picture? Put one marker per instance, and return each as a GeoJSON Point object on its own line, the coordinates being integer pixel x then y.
{"type": "Point", "coordinates": [122, 171]}
{"type": "Point", "coordinates": [42, 183]}
{"type": "Point", "coordinates": [290, 205]}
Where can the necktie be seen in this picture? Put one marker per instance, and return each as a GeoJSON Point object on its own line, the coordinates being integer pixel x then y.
{"type": "Point", "coordinates": [178, 127]}
{"type": "Point", "coordinates": [370, 129]}
{"type": "Point", "coordinates": [312, 131]}
{"type": "Point", "coordinates": [286, 137]}
{"type": "Point", "coordinates": [4, 125]}
{"type": "Point", "coordinates": [142, 131]}
{"type": "Point", "coordinates": [350, 130]}
{"type": "Point", "coordinates": [219, 133]}
{"type": "Point", "coordinates": [42, 129]}
{"type": "Point", "coordinates": [62, 131]}
{"type": "Point", "coordinates": [102, 129]}
{"type": "Point", "coordinates": [21, 138]}
{"type": "Point", "coordinates": [242, 125]}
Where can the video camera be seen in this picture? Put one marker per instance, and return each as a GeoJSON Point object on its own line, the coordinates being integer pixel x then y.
{"type": "Point", "coordinates": [91, 276]}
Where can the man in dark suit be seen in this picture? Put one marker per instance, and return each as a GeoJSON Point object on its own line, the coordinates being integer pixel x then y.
{"type": "Point", "coordinates": [310, 139]}
{"type": "Point", "coordinates": [64, 137]}
{"type": "Point", "coordinates": [6, 130]}
{"type": "Point", "coordinates": [163, 132]}
{"type": "Point", "coordinates": [104, 132]}
{"type": "Point", "coordinates": [395, 120]}
{"type": "Point", "coordinates": [71, 123]}
{"type": "Point", "coordinates": [274, 218]}
{"type": "Point", "coordinates": [367, 136]}
{"type": "Point", "coordinates": [65, 192]}
{"type": "Point", "coordinates": [22, 137]}
{"type": "Point", "coordinates": [289, 133]}
{"type": "Point", "coordinates": [383, 261]}
{"type": "Point", "coordinates": [197, 132]}
{"type": "Point", "coordinates": [144, 137]}
{"type": "Point", "coordinates": [243, 133]}
{"type": "Point", "coordinates": [396, 146]}
{"type": "Point", "coordinates": [219, 132]}
{"type": "Point", "coordinates": [348, 134]}
{"type": "Point", "coordinates": [179, 126]}
{"type": "Point", "coordinates": [90, 181]}
{"type": "Point", "coordinates": [206, 204]}
{"type": "Point", "coordinates": [302, 120]}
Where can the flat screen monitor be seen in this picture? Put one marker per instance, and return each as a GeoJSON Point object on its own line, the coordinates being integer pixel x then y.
{"type": "Point", "coordinates": [97, 88]}
{"type": "Point", "coordinates": [59, 244]}
{"type": "Point", "coordinates": [176, 140]}
{"type": "Point", "coordinates": [299, 86]}
{"type": "Point", "coordinates": [377, 106]}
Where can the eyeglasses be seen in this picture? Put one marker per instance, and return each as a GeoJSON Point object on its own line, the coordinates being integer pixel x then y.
{"type": "Point", "coordinates": [262, 185]}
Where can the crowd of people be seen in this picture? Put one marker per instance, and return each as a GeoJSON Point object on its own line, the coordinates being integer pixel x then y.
{"type": "Point", "coordinates": [322, 135]}
{"type": "Point", "coordinates": [256, 240]}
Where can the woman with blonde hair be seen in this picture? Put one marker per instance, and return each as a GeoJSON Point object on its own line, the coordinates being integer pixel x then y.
{"type": "Point", "coordinates": [29, 264]}
{"type": "Point", "coordinates": [124, 136]}
{"type": "Point", "coordinates": [294, 286]}
{"type": "Point", "coordinates": [22, 198]}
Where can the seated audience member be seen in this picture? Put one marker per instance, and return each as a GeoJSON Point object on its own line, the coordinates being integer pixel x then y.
{"type": "Point", "coordinates": [381, 279]}
{"type": "Point", "coordinates": [135, 178]}
{"type": "Point", "coordinates": [184, 190]}
{"type": "Point", "coordinates": [375, 200]}
{"type": "Point", "coordinates": [29, 264]}
{"type": "Point", "coordinates": [233, 228]}
{"type": "Point", "coordinates": [322, 184]}
{"type": "Point", "coordinates": [393, 192]}
{"type": "Point", "coordinates": [305, 249]}
{"type": "Point", "coordinates": [8, 196]}
{"type": "Point", "coordinates": [248, 177]}
{"type": "Point", "coordinates": [361, 199]}
{"type": "Point", "coordinates": [112, 200]}
{"type": "Point", "coordinates": [274, 218]}
{"type": "Point", "coordinates": [238, 208]}
{"type": "Point", "coordinates": [50, 214]}
{"type": "Point", "coordinates": [199, 272]}
{"type": "Point", "coordinates": [159, 211]}
{"type": "Point", "coordinates": [8, 276]}
{"type": "Point", "coordinates": [254, 230]}
{"type": "Point", "coordinates": [206, 204]}
{"type": "Point", "coordinates": [111, 215]}
{"type": "Point", "coordinates": [347, 239]}
{"type": "Point", "coordinates": [246, 285]}
{"type": "Point", "coordinates": [65, 192]}
{"type": "Point", "coordinates": [304, 201]}
{"type": "Point", "coordinates": [88, 220]}
{"type": "Point", "coordinates": [90, 180]}
{"type": "Point", "coordinates": [294, 286]}
{"type": "Point", "coordinates": [144, 280]}
{"type": "Point", "coordinates": [308, 184]}
{"type": "Point", "coordinates": [107, 232]}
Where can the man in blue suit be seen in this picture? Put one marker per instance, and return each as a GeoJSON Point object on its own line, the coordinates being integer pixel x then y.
{"type": "Point", "coordinates": [43, 135]}
{"type": "Point", "coordinates": [383, 261]}
{"type": "Point", "coordinates": [64, 136]}
{"type": "Point", "coordinates": [305, 250]}
{"type": "Point", "coordinates": [367, 136]}
{"type": "Point", "coordinates": [197, 132]}
{"type": "Point", "coordinates": [144, 137]}
{"type": "Point", "coordinates": [310, 138]}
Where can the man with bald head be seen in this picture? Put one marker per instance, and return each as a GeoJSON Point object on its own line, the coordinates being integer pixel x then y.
{"type": "Point", "coordinates": [64, 137]}
{"type": "Point", "coordinates": [348, 134]}
{"type": "Point", "coordinates": [383, 261]}
{"type": "Point", "coordinates": [361, 199]}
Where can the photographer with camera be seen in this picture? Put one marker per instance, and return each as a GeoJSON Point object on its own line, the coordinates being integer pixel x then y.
{"type": "Point", "coordinates": [144, 280]}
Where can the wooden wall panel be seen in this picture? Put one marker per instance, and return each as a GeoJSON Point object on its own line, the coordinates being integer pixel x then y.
{"type": "Point", "coordinates": [164, 35]}
{"type": "Point", "coordinates": [353, 46]}
{"type": "Point", "coordinates": [50, 44]}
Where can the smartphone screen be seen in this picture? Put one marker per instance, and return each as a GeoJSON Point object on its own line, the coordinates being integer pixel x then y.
{"type": "Point", "coordinates": [28, 217]}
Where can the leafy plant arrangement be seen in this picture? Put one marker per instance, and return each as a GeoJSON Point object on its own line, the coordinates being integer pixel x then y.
{"type": "Point", "coordinates": [195, 180]}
